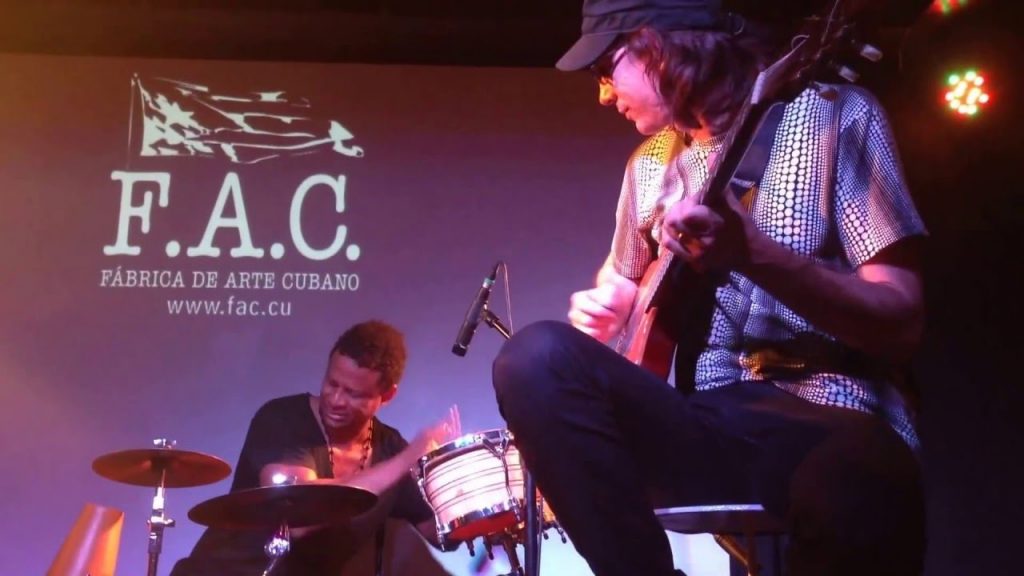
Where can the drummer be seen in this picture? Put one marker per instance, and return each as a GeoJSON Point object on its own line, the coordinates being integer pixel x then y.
{"type": "Point", "coordinates": [334, 435]}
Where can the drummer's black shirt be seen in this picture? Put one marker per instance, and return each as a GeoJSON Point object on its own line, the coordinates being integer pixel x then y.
{"type": "Point", "coordinates": [285, 431]}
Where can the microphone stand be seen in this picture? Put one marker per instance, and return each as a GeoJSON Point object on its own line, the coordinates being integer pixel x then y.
{"type": "Point", "coordinates": [493, 321]}
{"type": "Point", "coordinates": [533, 535]}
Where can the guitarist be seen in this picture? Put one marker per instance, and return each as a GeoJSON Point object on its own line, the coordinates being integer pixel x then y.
{"type": "Point", "coordinates": [816, 297]}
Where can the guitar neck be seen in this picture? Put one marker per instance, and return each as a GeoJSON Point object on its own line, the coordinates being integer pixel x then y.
{"type": "Point", "coordinates": [637, 342]}
{"type": "Point", "coordinates": [737, 141]}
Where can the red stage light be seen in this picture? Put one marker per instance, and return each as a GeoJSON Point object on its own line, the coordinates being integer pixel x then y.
{"type": "Point", "coordinates": [947, 7]}
{"type": "Point", "coordinates": [966, 93]}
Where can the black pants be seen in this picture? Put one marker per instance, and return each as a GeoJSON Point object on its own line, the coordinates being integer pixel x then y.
{"type": "Point", "coordinates": [608, 442]}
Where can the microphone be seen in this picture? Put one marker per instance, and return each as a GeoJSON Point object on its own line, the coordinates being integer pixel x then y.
{"type": "Point", "coordinates": [473, 315]}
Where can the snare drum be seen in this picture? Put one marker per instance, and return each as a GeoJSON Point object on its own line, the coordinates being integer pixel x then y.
{"type": "Point", "coordinates": [474, 485]}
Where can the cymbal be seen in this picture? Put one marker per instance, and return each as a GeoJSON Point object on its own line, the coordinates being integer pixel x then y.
{"type": "Point", "coordinates": [297, 504]}
{"type": "Point", "coordinates": [179, 468]}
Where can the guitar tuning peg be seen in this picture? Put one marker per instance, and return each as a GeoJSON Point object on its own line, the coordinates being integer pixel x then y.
{"type": "Point", "coordinates": [869, 52]}
{"type": "Point", "coordinates": [848, 74]}
{"type": "Point", "coordinates": [827, 92]}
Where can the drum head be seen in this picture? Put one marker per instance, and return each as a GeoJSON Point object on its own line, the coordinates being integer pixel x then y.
{"type": "Point", "coordinates": [496, 437]}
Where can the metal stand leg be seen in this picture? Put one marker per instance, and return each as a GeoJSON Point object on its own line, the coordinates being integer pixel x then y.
{"type": "Point", "coordinates": [157, 520]}
{"type": "Point", "coordinates": [157, 523]}
{"type": "Point", "coordinates": [745, 556]}
{"type": "Point", "coordinates": [509, 543]}
{"type": "Point", "coordinates": [753, 567]}
{"type": "Point", "coordinates": [277, 547]}
{"type": "Point", "coordinates": [532, 544]}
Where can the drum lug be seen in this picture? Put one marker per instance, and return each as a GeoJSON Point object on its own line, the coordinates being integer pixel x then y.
{"type": "Point", "coordinates": [489, 547]}
{"type": "Point", "coordinates": [561, 533]}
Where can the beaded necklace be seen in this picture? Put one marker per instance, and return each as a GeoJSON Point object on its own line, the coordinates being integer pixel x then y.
{"type": "Point", "coordinates": [330, 453]}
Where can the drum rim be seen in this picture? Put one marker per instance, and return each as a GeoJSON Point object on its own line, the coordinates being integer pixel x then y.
{"type": "Point", "coordinates": [462, 444]}
{"type": "Point", "coordinates": [513, 505]}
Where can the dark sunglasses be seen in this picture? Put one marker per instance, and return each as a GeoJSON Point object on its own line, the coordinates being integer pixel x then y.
{"type": "Point", "coordinates": [605, 64]}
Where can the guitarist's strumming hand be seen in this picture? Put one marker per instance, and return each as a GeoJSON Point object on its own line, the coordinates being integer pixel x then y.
{"type": "Point", "coordinates": [709, 239]}
{"type": "Point", "coordinates": [602, 311]}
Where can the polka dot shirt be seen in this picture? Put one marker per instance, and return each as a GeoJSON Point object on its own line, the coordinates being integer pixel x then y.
{"type": "Point", "coordinates": [833, 191]}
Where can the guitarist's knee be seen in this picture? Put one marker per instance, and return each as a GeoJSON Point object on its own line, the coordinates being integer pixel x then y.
{"type": "Point", "coordinates": [527, 364]}
{"type": "Point", "coordinates": [530, 350]}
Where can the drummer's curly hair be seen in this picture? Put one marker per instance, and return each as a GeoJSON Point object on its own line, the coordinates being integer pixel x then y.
{"type": "Point", "coordinates": [375, 345]}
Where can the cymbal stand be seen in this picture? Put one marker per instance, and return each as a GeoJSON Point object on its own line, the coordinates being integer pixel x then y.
{"type": "Point", "coordinates": [157, 520]}
{"type": "Point", "coordinates": [277, 547]}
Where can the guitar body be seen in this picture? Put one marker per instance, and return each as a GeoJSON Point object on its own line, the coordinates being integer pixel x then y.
{"type": "Point", "coordinates": [656, 350]}
{"type": "Point", "coordinates": [652, 344]}
{"type": "Point", "coordinates": [669, 321]}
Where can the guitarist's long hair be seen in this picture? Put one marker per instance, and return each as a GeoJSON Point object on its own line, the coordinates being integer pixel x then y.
{"type": "Point", "coordinates": [703, 75]}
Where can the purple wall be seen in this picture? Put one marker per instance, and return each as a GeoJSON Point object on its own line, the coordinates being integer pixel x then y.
{"type": "Point", "coordinates": [461, 167]}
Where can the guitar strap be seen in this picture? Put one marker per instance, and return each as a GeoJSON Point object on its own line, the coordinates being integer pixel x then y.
{"type": "Point", "coordinates": [751, 167]}
{"type": "Point", "coordinates": [697, 309]}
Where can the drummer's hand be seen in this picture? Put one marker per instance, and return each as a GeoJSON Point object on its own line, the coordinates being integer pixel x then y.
{"type": "Point", "coordinates": [446, 430]}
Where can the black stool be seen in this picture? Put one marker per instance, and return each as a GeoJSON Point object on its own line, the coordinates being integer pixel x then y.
{"type": "Point", "coordinates": [729, 523]}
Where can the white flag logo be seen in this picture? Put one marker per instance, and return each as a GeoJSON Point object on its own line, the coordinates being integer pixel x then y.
{"type": "Point", "coordinates": [185, 119]}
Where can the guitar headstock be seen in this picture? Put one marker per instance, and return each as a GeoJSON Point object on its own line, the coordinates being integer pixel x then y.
{"type": "Point", "coordinates": [813, 51]}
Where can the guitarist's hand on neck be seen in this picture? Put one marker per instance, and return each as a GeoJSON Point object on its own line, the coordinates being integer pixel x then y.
{"type": "Point", "coordinates": [709, 239]}
{"type": "Point", "coordinates": [877, 309]}
{"type": "Point", "coordinates": [602, 311]}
